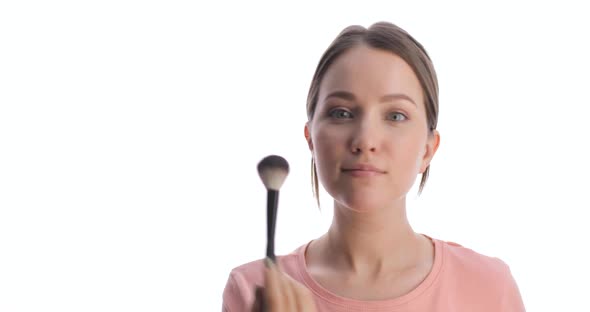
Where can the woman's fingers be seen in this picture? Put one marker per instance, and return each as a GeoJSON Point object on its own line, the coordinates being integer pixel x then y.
{"type": "Point", "coordinates": [259, 300]}
{"type": "Point", "coordinates": [272, 288]}
{"type": "Point", "coordinates": [290, 294]}
{"type": "Point", "coordinates": [305, 302]}
{"type": "Point", "coordinates": [284, 294]}
{"type": "Point", "coordinates": [295, 291]}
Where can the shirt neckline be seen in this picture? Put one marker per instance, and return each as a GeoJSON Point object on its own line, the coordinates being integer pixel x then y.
{"type": "Point", "coordinates": [332, 298]}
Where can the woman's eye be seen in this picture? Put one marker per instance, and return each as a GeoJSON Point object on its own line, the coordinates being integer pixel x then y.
{"type": "Point", "coordinates": [340, 114]}
{"type": "Point", "coordinates": [397, 116]}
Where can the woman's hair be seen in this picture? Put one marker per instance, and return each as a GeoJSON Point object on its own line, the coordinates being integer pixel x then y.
{"type": "Point", "coordinates": [389, 37]}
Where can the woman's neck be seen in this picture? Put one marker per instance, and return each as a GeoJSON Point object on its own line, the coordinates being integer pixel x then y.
{"type": "Point", "coordinates": [371, 243]}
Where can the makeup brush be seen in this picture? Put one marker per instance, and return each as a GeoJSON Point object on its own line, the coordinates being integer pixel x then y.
{"type": "Point", "coordinates": [273, 171]}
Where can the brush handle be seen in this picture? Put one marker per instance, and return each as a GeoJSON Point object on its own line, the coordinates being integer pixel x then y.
{"type": "Point", "coordinates": [272, 202]}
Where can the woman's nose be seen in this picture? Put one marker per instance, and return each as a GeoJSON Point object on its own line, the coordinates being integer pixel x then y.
{"type": "Point", "coordinates": [364, 138]}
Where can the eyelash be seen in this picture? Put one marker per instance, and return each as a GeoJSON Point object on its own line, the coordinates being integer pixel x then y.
{"type": "Point", "coordinates": [339, 110]}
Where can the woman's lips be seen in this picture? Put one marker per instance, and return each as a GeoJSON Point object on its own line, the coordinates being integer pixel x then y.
{"type": "Point", "coordinates": [362, 173]}
{"type": "Point", "coordinates": [363, 170]}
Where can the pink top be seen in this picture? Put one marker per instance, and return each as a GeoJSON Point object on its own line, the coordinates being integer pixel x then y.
{"type": "Point", "coordinates": [460, 280]}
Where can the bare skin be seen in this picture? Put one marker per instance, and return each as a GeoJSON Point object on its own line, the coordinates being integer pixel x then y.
{"type": "Point", "coordinates": [282, 294]}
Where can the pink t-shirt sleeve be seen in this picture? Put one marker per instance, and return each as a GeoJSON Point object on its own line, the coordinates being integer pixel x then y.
{"type": "Point", "coordinates": [232, 296]}
{"type": "Point", "coordinates": [512, 299]}
{"type": "Point", "coordinates": [239, 293]}
{"type": "Point", "coordinates": [236, 296]}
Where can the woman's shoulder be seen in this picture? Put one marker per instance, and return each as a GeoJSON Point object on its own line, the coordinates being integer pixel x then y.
{"type": "Point", "coordinates": [458, 254]}
{"type": "Point", "coordinates": [253, 271]}
{"type": "Point", "coordinates": [476, 275]}
{"type": "Point", "coordinates": [470, 264]}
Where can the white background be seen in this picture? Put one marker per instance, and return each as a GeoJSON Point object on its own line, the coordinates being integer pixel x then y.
{"type": "Point", "coordinates": [130, 133]}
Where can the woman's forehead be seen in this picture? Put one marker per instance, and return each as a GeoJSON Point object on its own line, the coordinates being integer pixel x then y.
{"type": "Point", "coordinates": [370, 72]}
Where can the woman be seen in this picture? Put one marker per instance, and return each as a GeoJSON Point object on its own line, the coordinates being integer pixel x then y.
{"type": "Point", "coordinates": [372, 116]}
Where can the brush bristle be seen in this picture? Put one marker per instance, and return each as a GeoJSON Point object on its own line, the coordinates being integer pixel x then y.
{"type": "Point", "coordinates": [273, 171]}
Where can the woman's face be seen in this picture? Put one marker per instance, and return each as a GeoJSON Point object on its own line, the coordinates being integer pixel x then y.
{"type": "Point", "coordinates": [369, 134]}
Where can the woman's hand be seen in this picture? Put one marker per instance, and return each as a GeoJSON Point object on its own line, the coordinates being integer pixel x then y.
{"type": "Point", "coordinates": [281, 293]}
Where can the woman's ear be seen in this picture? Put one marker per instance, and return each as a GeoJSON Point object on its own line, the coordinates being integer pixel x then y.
{"type": "Point", "coordinates": [431, 147]}
{"type": "Point", "coordinates": [308, 136]}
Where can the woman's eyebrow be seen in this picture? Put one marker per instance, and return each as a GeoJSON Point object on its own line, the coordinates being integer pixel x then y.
{"type": "Point", "coordinates": [341, 94]}
{"type": "Point", "coordinates": [388, 97]}
{"type": "Point", "coordinates": [397, 96]}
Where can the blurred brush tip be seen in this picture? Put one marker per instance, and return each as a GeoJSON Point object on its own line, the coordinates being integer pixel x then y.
{"type": "Point", "coordinates": [273, 171]}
